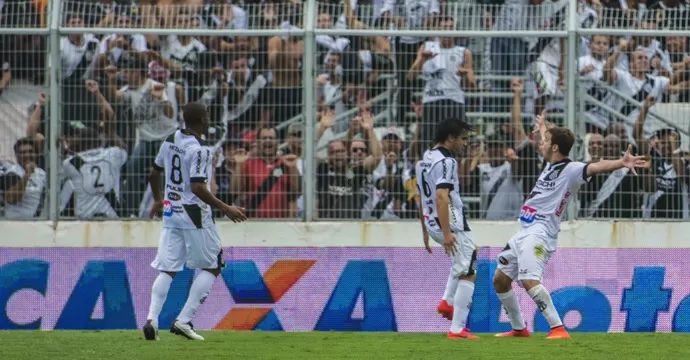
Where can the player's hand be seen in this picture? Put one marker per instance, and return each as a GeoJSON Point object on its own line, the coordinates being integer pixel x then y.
{"type": "Point", "coordinates": [156, 208]}
{"type": "Point", "coordinates": [235, 213]}
{"type": "Point", "coordinates": [631, 162]}
{"type": "Point", "coordinates": [426, 243]}
{"type": "Point", "coordinates": [449, 243]}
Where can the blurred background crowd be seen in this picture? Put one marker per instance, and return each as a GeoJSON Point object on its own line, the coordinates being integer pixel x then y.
{"type": "Point", "coordinates": [377, 99]}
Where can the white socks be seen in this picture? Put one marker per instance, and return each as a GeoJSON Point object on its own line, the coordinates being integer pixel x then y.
{"type": "Point", "coordinates": [159, 291]}
{"type": "Point", "coordinates": [461, 305]}
{"type": "Point", "coordinates": [451, 286]}
{"type": "Point", "coordinates": [197, 294]}
{"type": "Point", "coordinates": [512, 308]}
{"type": "Point", "coordinates": [542, 297]}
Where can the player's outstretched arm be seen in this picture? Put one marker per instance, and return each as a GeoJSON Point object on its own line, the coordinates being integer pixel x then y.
{"type": "Point", "coordinates": [627, 161]}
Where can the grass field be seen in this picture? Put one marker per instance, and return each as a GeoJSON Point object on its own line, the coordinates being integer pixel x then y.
{"type": "Point", "coordinates": [264, 345]}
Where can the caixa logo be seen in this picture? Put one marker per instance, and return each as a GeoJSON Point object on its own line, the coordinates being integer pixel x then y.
{"type": "Point", "coordinates": [254, 296]}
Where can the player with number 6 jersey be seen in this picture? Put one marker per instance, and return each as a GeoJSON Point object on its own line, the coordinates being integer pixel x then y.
{"type": "Point", "coordinates": [443, 219]}
{"type": "Point", "coordinates": [189, 236]}
{"type": "Point", "coordinates": [525, 257]}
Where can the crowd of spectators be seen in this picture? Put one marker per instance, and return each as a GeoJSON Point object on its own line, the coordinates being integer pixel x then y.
{"type": "Point", "coordinates": [377, 101]}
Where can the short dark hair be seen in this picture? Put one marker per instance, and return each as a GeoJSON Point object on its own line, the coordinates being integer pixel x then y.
{"type": "Point", "coordinates": [451, 126]}
{"type": "Point", "coordinates": [23, 141]}
{"type": "Point", "coordinates": [194, 112]}
{"type": "Point", "coordinates": [564, 138]}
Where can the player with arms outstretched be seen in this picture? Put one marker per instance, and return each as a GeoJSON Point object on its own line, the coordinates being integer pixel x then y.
{"type": "Point", "coordinates": [528, 251]}
{"type": "Point", "coordinates": [443, 218]}
{"type": "Point", "coordinates": [189, 234]}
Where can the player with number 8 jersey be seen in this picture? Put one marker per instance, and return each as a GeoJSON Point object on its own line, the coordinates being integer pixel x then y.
{"type": "Point", "coordinates": [443, 219]}
{"type": "Point", "coordinates": [189, 236]}
{"type": "Point", "coordinates": [525, 257]}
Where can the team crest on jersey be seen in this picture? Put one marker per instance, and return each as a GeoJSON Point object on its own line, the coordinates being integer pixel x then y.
{"type": "Point", "coordinates": [167, 208]}
{"type": "Point", "coordinates": [553, 175]}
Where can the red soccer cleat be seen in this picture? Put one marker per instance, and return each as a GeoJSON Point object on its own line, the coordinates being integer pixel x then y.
{"type": "Point", "coordinates": [445, 310]}
{"type": "Point", "coordinates": [558, 333]}
{"type": "Point", "coordinates": [464, 334]}
{"type": "Point", "coordinates": [514, 333]}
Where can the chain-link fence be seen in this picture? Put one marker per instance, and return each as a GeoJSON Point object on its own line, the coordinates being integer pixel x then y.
{"type": "Point", "coordinates": [319, 109]}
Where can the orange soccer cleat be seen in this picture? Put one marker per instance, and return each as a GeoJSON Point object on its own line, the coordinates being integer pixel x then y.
{"type": "Point", "coordinates": [464, 334]}
{"type": "Point", "coordinates": [514, 333]}
{"type": "Point", "coordinates": [558, 333]}
{"type": "Point", "coordinates": [445, 310]}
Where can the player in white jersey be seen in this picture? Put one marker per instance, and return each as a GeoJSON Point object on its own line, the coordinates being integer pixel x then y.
{"type": "Point", "coordinates": [527, 253]}
{"type": "Point", "coordinates": [443, 219]}
{"type": "Point", "coordinates": [189, 234]}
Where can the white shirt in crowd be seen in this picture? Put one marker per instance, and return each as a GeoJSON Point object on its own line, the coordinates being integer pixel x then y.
{"type": "Point", "coordinates": [94, 176]}
{"type": "Point", "coordinates": [34, 192]}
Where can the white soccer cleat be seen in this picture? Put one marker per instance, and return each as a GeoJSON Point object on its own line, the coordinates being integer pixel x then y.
{"type": "Point", "coordinates": [150, 330]}
{"type": "Point", "coordinates": [185, 330]}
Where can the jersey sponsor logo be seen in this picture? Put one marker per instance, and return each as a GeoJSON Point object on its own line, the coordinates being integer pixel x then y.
{"type": "Point", "coordinates": [528, 214]}
{"type": "Point", "coordinates": [564, 201]}
{"type": "Point", "coordinates": [167, 208]}
{"type": "Point", "coordinates": [174, 196]}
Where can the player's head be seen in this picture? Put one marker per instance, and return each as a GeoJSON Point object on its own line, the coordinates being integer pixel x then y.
{"type": "Point", "coordinates": [196, 117]}
{"type": "Point", "coordinates": [556, 141]}
{"type": "Point", "coordinates": [453, 134]}
{"type": "Point", "coordinates": [25, 151]}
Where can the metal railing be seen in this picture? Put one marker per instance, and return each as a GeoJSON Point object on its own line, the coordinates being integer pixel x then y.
{"type": "Point", "coordinates": [472, 28]}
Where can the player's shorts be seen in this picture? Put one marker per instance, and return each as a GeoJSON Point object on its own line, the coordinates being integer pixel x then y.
{"type": "Point", "coordinates": [526, 255]}
{"type": "Point", "coordinates": [465, 260]}
{"type": "Point", "coordinates": [197, 248]}
{"type": "Point", "coordinates": [546, 79]}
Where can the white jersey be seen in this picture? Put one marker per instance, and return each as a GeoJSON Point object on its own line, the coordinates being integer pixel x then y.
{"type": "Point", "coordinates": [34, 192]}
{"type": "Point", "coordinates": [439, 170]}
{"type": "Point", "coordinates": [415, 13]}
{"type": "Point", "coordinates": [95, 176]}
{"type": "Point", "coordinates": [546, 203]}
{"type": "Point", "coordinates": [149, 116]}
{"type": "Point", "coordinates": [637, 89]}
{"type": "Point", "coordinates": [186, 159]}
{"type": "Point", "coordinates": [442, 81]}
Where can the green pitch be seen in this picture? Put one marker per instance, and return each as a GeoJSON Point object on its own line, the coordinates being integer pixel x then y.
{"type": "Point", "coordinates": [130, 345]}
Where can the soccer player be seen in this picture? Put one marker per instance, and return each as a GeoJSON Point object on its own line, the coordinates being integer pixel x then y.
{"type": "Point", "coordinates": [189, 233]}
{"type": "Point", "coordinates": [443, 218]}
{"type": "Point", "coordinates": [528, 251]}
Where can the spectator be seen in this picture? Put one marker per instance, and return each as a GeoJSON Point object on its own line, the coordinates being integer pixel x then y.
{"type": "Point", "coordinates": [153, 108]}
{"type": "Point", "coordinates": [665, 181]}
{"type": "Point", "coordinates": [345, 180]}
{"type": "Point", "coordinates": [500, 188]}
{"type": "Point", "coordinates": [93, 172]}
{"type": "Point", "coordinates": [269, 181]}
{"type": "Point", "coordinates": [232, 150]}
{"type": "Point", "coordinates": [448, 72]}
{"type": "Point", "coordinates": [24, 184]}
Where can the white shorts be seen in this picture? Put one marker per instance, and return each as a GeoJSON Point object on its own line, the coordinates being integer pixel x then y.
{"type": "Point", "coordinates": [197, 248]}
{"type": "Point", "coordinates": [465, 260]}
{"type": "Point", "coordinates": [526, 255]}
{"type": "Point", "coordinates": [546, 79]}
